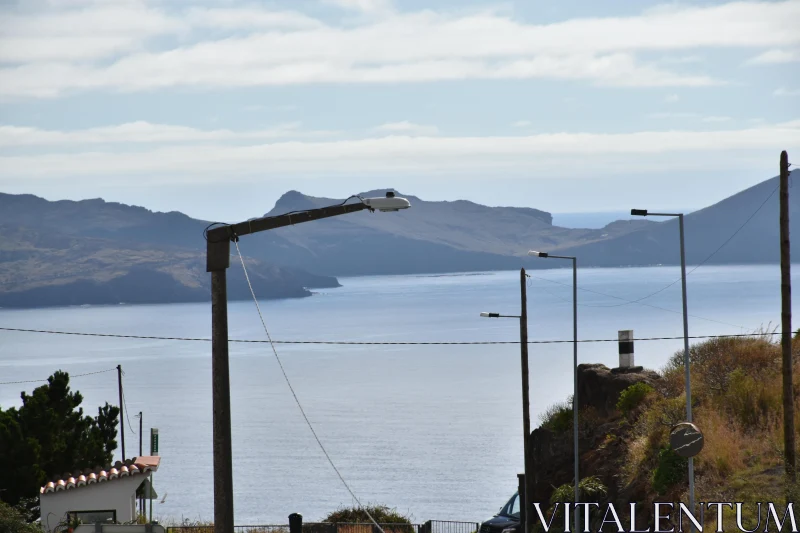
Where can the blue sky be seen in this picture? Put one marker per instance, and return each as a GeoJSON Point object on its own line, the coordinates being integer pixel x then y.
{"type": "Point", "coordinates": [216, 108]}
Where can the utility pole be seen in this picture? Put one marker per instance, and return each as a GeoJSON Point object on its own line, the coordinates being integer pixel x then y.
{"type": "Point", "coordinates": [786, 328]}
{"type": "Point", "coordinates": [140, 433]}
{"type": "Point", "coordinates": [121, 413]}
{"type": "Point", "coordinates": [526, 415]}
{"type": "Point", "coordinates": [218, 253]}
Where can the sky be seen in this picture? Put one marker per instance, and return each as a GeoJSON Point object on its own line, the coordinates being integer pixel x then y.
{"type": "Point", "coordinates": [217, 107]}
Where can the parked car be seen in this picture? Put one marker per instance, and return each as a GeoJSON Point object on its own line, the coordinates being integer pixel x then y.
{"type": "Point", "coordinates": [506, 520]}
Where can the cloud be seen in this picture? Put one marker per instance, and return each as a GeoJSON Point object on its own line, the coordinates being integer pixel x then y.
{"type": "Point", "coordinates": [783, 91]}
{"type": "Point", "coordinates": [366, 6]}
{"type": "Point", "coordinates": [145, 133]}
{"type": "Point", "coordinates": [399, 153]}
{"type": "Point", "coordinates": [672, 114]}
{"type": "Point", "coordinates": [671, 98]}
{"type": "Point", "coordinates": [775, 56]}
{"type": "Point", "coordinates": [132, 46]}
{"type": "Point", "coordinates": [408, 128]}
{"type": "Point", "coordinates": [521, 123]}
{"type": "Point", "coordinates": [717, 119]}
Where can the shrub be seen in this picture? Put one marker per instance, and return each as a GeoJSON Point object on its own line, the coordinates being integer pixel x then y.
{"type": "Point", "coordinates": [12, 521]}
{"type": "Point", "coordinates": [357, 515]}
{"type": "Point", "coordinates": [670, 470]}
{"type": "Point", "coordinates": [751, 401]}
{"type": "Point", "coordinates": [632, 397]}
{"type": "Point", "coordinates": [592, 490]}
{"type": "Point", "coordinates": [558, 417]}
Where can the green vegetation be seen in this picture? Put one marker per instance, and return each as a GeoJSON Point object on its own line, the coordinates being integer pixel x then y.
{"type": "Point", "coordinates": [558, 417]}
{"type": "Point", "coordinates": [633, 396]}
{"type": "Point", "coordinates": [356, 515]}
{"type": "Point", "coordinates": [592, 490]}
{"type": "Point", "coordinates": [671, 469]}
{"type": "Point", "coordinates": [12, 521]}
{"type": "Point", "coordinates": [50, 435]}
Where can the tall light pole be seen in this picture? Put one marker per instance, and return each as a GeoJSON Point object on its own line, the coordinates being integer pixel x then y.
{"type": "Point", "coordinates": [218, 252]}
{"type": "Point", "coordinates": [688, 378]}
{"type": "Point", "coordinates": [574, 370]}
{"type": "Point", "coordinates": [526, 412]}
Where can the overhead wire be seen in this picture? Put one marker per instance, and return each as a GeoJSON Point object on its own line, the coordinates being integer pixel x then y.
{"type": "Point", "coordinates": [704, 261]}
{"type": "Point", "coordinates": [294, 394]}
{"type": "Point", "coordinates": [45, 380]}
{"type": "Point", "coordinates": [369, 343]}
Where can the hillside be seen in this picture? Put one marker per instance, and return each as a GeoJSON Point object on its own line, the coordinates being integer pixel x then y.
{"type": "Point", "coordinates": [625, 419]}
{"type": "Point", "coordinates": [44, 267]}
{"type": "Point", "coordinates": [706, 230]}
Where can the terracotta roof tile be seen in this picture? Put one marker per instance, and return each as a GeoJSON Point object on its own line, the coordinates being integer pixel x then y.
{"type": "Point", "coordinates": [131, 467]}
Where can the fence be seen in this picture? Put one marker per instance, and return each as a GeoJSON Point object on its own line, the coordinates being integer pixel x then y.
{"type": "Point", "coordinates": [431, 526]}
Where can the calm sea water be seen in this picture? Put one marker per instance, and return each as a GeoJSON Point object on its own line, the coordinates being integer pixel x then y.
{"type": "Point", "coordinates": [431, 430]}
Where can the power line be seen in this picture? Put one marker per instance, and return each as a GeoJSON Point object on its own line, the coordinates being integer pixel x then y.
{"type": "Point", "coordinates": [628, 301]}
{"type": "Point", "coordinates": [704, 261]}
{"type": "Point", "coordinates": [296, 399]}
{"type": "Point", "coordinates": [45, 380]}
{"type": "Point", "coordinates": [371, 343]}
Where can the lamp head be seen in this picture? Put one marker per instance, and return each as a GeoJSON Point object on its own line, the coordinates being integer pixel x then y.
{"type": "Point", "coordinates": [389, 203]}
{"type": "Point", "coordinates": [537, 254]}
{"type": "Point", "coordinates": [639, 212]}
{"type": "Point", "coordinates": [490, 315]}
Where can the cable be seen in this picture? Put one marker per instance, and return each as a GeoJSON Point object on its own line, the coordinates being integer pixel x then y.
{"type": "Point", "coordinates": [628, 301]}
{"type": "Point", "coordinates": [45, 380]}
{"type": "Point", "coordinates": [372, 343]}
{"type": "Point", "coordinates": [704, 261]}
{"type": "Point", "coordinates": [127, 413]}
{"type": "Point", "coordinates": [296, 399]}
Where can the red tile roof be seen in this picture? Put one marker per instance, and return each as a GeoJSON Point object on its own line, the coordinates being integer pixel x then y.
{"type": "Point", "coordinates": [100, 474]}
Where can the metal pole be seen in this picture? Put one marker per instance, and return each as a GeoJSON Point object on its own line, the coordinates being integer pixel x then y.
{"type": "Point", "coordinates": [526, 417]}
{"type": "Point", "coordinates": [687, 370]}
{"type": "Point", "coordinates": [141, 500]}
{"type": "Point", "coordinates": [221, 392]}
{"type": "Point", "coordinates": [786, 325]}
{"type": "Point", "coordinates": [575, 385]}
{"type": "Point", "coordinates": [121, 412]}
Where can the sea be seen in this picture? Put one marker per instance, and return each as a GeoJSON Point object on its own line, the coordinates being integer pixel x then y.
{"type": "Point", "coordinates": [432, 430]}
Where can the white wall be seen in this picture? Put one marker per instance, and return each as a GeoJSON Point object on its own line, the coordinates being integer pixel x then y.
{"type": "Point", "coordinates": [118, 494]}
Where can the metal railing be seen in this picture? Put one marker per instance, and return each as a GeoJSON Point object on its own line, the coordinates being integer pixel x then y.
{"type": "Point", "coordinates": [431, 526]}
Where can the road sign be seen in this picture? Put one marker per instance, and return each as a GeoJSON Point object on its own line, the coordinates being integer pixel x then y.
{"type": "Point", "coordinates": [686, 439]}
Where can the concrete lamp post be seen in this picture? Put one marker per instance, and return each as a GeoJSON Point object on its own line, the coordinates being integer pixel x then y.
{"type": "Point", "coordinates": [218, 252]}
{"type": "Point", "coordinates": [574, 368]}
{"type": "Point", "coordinates": [688, 378]}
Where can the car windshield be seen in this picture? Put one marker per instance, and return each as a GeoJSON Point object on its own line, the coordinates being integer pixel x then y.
{"type": "Point", "coordinates": [512, 507]}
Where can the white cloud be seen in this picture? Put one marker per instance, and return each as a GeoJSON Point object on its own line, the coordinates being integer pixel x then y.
{"type": "Point", "coordinates": [783, 91]}
{"type": "Point", "coordinates": [408, 128]}
{"type": "Point", "coordinates": [775, 56]}
{"type": "Point", "coordinates": [717, 119]}
{"type": "Point", "coordinates": [57, 51]}
{"type": "Point", "coordinates": [671, 98]}
{"type": "Point", "coordinates": [672, 114]}
{"type": "Point", "coordinates": [366, 6]}
{"type": "Point", "coordinates": [521, 123]}
{"type": "Point", "coordinates": [145, 133]}
{"type": "Point", "coordinates": [464, 155]}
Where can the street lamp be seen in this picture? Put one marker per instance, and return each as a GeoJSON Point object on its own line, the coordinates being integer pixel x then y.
{"type": "Point", "coordinates": [688, 379]}
{"type": "Point", "coordinates": [218, 252]}
{"type": "Point", "coordinates": [526, 415]}
{"type": "Point", "coordinates": [574, 367]}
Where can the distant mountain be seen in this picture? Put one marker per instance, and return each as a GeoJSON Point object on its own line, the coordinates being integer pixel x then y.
{"type": "Point", "coordinates": [706, 230]}
{"type": "Point", "coordinates": [97, 252]}
{"type": "Point", "coordinates": [431, 237]}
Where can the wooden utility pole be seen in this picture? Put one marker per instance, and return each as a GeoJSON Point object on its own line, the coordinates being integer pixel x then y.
{"type": "Point", "coordinates": [525, 508]}
{"type": "Point", "coordinates": [786, 326]}
{"type": "Point", "coordinates": [121, 413]}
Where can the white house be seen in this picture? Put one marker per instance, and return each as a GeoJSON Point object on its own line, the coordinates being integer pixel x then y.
{"type": "Point", "coordinates": [96, 495]}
